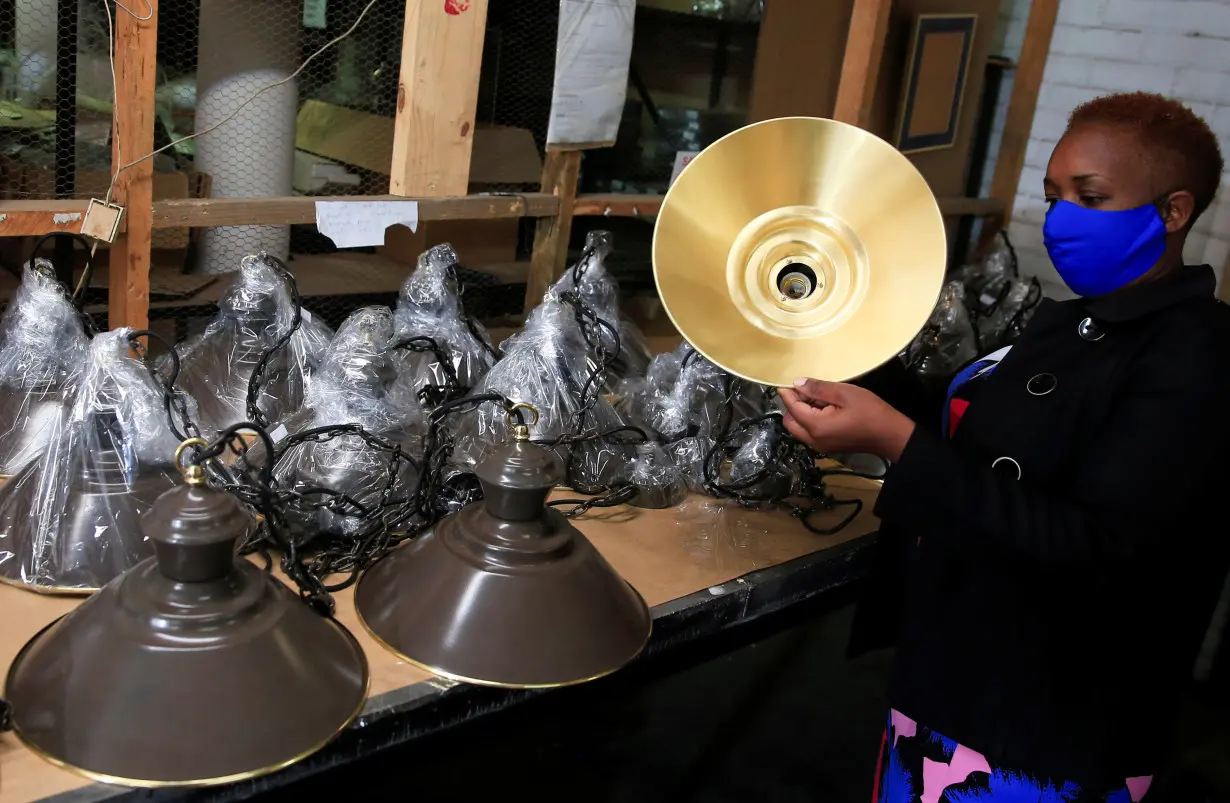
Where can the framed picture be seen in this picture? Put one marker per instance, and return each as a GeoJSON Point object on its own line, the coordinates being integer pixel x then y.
{"type": "Point", "coordinates": [935, 75]}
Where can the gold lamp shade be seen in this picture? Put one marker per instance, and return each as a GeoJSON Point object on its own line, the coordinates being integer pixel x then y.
{"type": "Point", "coordinates": [799, 247]}
{"type": "Point", "coordinates": [194, 668]}
{"type": "Point", "coordinates": [505, 592]}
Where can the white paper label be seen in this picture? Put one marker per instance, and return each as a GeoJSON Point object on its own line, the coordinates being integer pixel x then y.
{"type": "Point", "coordinates": [592, 55]}
{"type": "Point", "coordinates": [682, 160]}
{"type": "Point", "coordinates": [356, 224]}
{"type": "Point", "coordinates": [314, 14]}
{"type": "Point", "coordinates": [305, 315]}
{"type": "Point", "coordinates": [278, 433]}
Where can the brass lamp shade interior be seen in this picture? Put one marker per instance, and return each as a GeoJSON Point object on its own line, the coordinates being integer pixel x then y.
{"type": "Point", "coordinates": [799, 247]}
{"type": "Point", "coordinates": [505, 592]}
{"type": "Point", "coordinates": [194, 668]}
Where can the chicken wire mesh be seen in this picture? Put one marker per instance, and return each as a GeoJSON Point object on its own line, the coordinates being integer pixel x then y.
{"type": "Point", "coordinates": [55, 99]}
{"type": "Point", "coordinates": [328, 131]}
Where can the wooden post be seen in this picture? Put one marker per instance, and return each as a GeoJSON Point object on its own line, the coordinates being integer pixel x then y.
{"type": "Point", "coordinates": [860, 68]}
{"type": "Point", "coordinates": [1021, 104]}
{"type": "Point", "coordinates": [550, 256]}
{"type": "Point", "coordinates": [437, 94]}
{"type": "Point", "coordinates": [136, 44]}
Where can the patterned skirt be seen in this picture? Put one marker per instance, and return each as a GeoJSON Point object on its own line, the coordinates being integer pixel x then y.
{"type": "Point", "coordinates": [918, 765]}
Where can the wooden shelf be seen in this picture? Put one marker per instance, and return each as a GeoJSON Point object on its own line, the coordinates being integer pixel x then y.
{"type": "Point", "coordinates": [27, 218]}
{"type": "Point", "coordinates": [617, 205]}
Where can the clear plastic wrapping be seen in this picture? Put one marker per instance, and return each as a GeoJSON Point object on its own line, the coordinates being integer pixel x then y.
{"type": "Point", "coordinates": [256, 311]}
{"type": "Point", "coordinates": [947, 341]}
{"type": "Point", "coordinates": [68, 521]}
{"type": "Point", "coordinates": [357, 383]}
{"type": "Point", "coordinates": [692, 404]}
{"type": "Point", "coordinates": [430, 306]}
{"type": "Point", "coordinates": [42, 352]}
{"type": "Point", "coordinates": [659, 482]}
{"type": "Point", "coordinates": [598, 289]}
{"type": "Point", "coordinates": [544, 365]}
{"type": "Point", "coordinates": [723, 535]}
{"type": "Point", "coordinates": [984, 282]}
{"type": "Point", "coordinates": [1005, 322]}
{"type": "Point", "coordinates": [755, 468]}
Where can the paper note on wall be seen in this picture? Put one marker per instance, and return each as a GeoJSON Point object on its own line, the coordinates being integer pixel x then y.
{"type": "Point", "coordinates": [315, 14]}
{"type": "Point", "coordinates": [356, 224]}
{"type": "Point", "coordinates": [591, 71]}
{"type": "Point", "coordinates": [682, 160]}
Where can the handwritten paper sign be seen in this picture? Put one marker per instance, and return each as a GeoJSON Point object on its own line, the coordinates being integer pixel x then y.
{"type": "Point", "coordinates": [592, 54]}
{"type": "Point", "coordinates": [356, 224]}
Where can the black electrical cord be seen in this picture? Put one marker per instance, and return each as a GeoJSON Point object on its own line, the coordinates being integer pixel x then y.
{"type": "Point", "coordinates": [76, 295]}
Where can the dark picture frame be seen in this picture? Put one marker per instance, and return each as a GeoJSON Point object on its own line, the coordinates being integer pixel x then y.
{"type": "Point", "coordinates": [936, 74]}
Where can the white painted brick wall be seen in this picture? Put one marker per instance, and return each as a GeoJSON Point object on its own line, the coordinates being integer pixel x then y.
{"type": "Point", "coordinates": [1179, 48]}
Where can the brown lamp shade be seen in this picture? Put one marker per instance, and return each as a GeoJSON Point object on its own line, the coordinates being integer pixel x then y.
{"type": "Point", "coordinates": [193, 668]}
{"type": "Point", "coordinates": [505, 592]}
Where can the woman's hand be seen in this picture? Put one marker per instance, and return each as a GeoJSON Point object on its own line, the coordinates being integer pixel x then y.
{"type": "Point", "coordinates": [831, 417]}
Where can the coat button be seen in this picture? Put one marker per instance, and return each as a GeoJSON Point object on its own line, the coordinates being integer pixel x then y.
{"type": "Point", "coordinates": [1007, 466]}
{"type": "Point", "coordinates": [1041, 384]}
{"type": "Point", "coordinates": [1088, 330]}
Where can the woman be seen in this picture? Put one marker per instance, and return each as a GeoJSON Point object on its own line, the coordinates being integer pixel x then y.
{"type": "Point", "coordinates": [1054, 552]}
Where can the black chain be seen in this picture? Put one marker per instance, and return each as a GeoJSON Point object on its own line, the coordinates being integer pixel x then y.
{"type": "Point", "coordinates": [308, 559]}
{"type": "Point", "coordinates": [262, 365]}
{"type": "Point", "coordinates": [175, 400]}
{"type": "Point", "coordinates": [432, 395]}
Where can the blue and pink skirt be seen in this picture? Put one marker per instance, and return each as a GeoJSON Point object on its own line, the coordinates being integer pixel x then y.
{"type": "Point", "coordinates": [918, 765]}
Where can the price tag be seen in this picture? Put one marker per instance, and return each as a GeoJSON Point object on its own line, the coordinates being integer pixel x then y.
{"type": "Point", "coordinates": [279, 432]}
{"type": "Point", "coordinates": [314, 14]}
{"type": "Point", "coordinates": [102, 220]}
{"type": "Point", "coordinates": [682, 160]}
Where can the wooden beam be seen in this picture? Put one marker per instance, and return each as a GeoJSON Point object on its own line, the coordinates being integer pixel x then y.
{"type": "Point", "coordinates": [136, 45]}
{"type": "Point", "coordinates": [971, 207]}
{"type": "Point", "coordinates": [34, 218]}
{"type": "Point", "coordinates": [617, 205]}
{"type": "Point", "coordinates": [550, 256]}
{"type": "Point", "coordinates": [202, 212]}
{"type": "Point", "coordinates": [860, 67]}
{"type": "Point", "coordinates": [437, 94]}
{"type": "Point", "coordinates": [1023, 102]}
{"type": "Point", "coordinates": [648, 205]}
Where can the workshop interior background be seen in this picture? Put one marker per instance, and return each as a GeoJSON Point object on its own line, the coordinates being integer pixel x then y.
{"type": "Point", "coordinates": [696, 75]}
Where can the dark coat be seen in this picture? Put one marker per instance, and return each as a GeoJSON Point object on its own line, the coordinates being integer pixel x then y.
{"type": "Point", "coordinates": [1058, 558]}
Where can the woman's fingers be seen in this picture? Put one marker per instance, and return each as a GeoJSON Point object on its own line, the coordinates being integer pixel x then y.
{"type": "Point", "coordinates": [820, 392]}
{"type": "Point", "coordinates": [800, 409]}
{"type": "Point", "coordinates": [796, 430]}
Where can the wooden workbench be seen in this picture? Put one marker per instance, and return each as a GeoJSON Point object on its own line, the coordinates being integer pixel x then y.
{"type": "Point", "coordinates": [704, 567]}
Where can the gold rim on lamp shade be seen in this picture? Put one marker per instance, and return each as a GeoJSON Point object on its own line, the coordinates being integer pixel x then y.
{"type": "Point", "coordinates": [799, 247]}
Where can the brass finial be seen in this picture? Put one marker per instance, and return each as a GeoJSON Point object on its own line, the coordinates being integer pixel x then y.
{"type": "Point", "coordinates": [521, 432]}
{"type": "Point", "coordinates": [193, 474]}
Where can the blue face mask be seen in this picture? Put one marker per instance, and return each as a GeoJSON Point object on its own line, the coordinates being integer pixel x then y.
{"type": "Point", "coordinates": [1097, 252]}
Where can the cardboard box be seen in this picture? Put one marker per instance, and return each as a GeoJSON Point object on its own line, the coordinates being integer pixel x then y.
{"type": "Point", "coordinates": [501, 155]}
{"type": "Point", "coordinates": [25, 181]}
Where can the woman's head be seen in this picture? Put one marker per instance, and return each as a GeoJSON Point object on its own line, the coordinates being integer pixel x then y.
{"type": "Point", "coordinates": [1125, 184]}
{"type": "Point", "coordinates": [1130, 150]}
